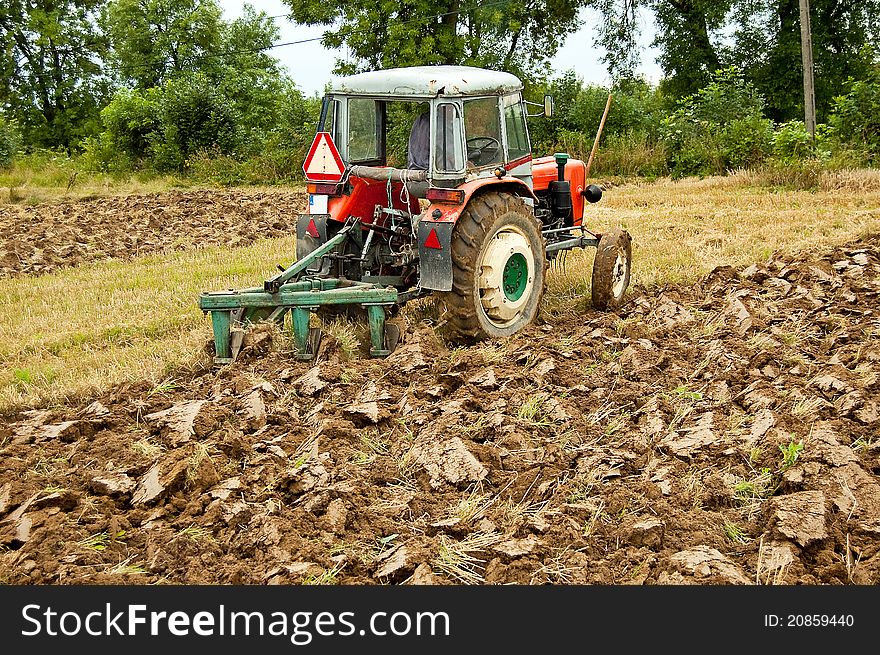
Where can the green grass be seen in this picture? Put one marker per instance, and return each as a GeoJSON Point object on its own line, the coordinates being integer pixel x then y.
{"type": "Point", "coordinates": [756, 488]}
{"type": "Point", "coordinates": [735, 533]}
{"type": "Point", "coordinates": [790, 453]}
{"type": "Point", "coordinates": [534, 410]}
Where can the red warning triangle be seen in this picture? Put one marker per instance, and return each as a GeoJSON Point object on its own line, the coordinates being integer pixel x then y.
{"type": "Point", "coordinates": [312, 229]}
{"type": "Point", "coordinates": [323, 163]}
{"type": "Point", "coordinates": [432, 241]}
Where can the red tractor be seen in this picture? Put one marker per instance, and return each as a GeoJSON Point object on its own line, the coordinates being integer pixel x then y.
{"type": "Point", "coordinates": [421, 181]}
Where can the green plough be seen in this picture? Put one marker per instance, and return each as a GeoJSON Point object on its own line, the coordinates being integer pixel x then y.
{"type": "Point", "coordinates": [293, 292]}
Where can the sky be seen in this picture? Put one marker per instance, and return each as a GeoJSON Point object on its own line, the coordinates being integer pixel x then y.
{"type": "Point", "coordinates": [311, 66]}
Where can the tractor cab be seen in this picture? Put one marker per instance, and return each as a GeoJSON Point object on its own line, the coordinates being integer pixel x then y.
{"type": "Point", "coordinates": [455, 123]}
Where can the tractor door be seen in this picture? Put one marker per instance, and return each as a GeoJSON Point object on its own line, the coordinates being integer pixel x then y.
{"type": "Point", "coordinates": [483, 137]}
{"type": "Point", "coordinates": [497, 136]}
{"type": "Point", "coordinates": [518, 159]}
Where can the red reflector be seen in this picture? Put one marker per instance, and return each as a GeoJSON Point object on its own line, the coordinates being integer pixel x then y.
{"type": "Point", "coordinates": [432, 241]}
{"type": "Point", "coordinates": [323, 189]}
{"type": "Point", "coordinates": [445, 195]}
{"type": "Point", "coordinates": [312, 230]}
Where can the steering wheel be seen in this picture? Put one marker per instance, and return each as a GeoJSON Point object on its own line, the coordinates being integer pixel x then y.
{"type": "Point", "coordinates": [483, 149]}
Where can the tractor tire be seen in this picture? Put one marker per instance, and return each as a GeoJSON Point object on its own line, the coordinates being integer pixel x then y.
{"type": "Point", "coordinates": [499, 267]}
{"type": "Point", "coordinates": [611, 269]}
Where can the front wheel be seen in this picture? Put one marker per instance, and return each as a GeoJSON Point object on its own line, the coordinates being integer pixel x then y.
{"type": "Point", "coordinates": [498, 272]}
{"type": "Point", "coordinates": [611, 269]}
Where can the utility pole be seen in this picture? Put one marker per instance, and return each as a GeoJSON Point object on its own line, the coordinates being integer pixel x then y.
{"type": "Point", "coordinates": [807, 56]}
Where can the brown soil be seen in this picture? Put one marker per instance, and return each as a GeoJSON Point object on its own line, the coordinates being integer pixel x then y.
{"type": "Point", "coordinates": [41, 239]}
{"type": "Point", "coordinates": [645, 446]}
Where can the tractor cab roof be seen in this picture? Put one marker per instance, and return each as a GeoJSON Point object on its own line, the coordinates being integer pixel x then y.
{"type": "Point", "coordinates": [427, 82]}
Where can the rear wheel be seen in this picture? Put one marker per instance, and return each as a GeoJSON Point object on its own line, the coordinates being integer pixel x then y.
{"type": "Point", "coordinates": [498, 272]}
{"type": "Point", "coordinates": [611, 269]}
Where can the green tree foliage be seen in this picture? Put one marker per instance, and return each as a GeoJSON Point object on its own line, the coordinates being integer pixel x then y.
{"type": "Point", "coordinates": [131, 119]}
{"type": "Point", "coordinates": [761, 37]}
{"type": "Point", "coordinates": [856, 117]}
{"type": "Point", "coordinates": [636, 108]}
{"type": "Point", "coordinates": [154, 40]}
{"type": "Point", "coordinates": [194, 116]}
{"type": "Point", "coordinates": [9, 142]}
{"type": "Point", "coordinates": [689, 48]}
{"type": "Point", "coordinates": [52, 78]}
{"type": "Point", "coordinates": [768, 47]}
{"type": "Point", "coordinates": [519, 36]}
{"type": "Point", "coordinates": [200, 84]}
{"type": "Point", "coordinates": [721, 127]}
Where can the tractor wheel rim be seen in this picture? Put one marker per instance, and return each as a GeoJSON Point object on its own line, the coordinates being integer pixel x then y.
{"type": "Point", "coordinates": [618, 276]}
{"type": "Point", "coordinates": [515, 276]}
{"type": "Point", "coordinates": [506, 276]}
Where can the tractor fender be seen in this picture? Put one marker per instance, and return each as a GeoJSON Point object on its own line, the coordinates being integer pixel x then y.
{"type": "Point", "coordinates": [438, 220]}
{"type": "Point", "coordinates": [306, 241]}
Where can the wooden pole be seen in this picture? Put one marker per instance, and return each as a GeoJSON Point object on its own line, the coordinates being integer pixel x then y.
{"type": "Point", "coordinates": [807, 56]}
{"type": "Point", "coordinates": [598, 134]}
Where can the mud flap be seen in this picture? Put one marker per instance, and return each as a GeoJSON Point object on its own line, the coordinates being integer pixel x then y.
{"type": "Point", "coordinates": [435, 262]}
{"type": "Point", "coordinates": [306, 243]}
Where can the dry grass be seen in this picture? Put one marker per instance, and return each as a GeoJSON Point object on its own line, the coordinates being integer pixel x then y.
{"type": "Point", "coordinates": [80, 330]}
{"type": "Point", "coordinates": [683, 229]}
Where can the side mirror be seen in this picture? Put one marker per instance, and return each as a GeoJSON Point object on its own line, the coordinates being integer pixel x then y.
{"type": "Point", "coordinates": [548, 106]}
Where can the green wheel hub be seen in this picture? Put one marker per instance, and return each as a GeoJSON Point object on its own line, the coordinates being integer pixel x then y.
{"type": "Point", "coordinates": [515, 277]}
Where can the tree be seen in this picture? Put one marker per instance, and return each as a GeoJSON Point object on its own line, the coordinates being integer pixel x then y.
{"type": "Point", "coordinates": [768, 42]}
{"type": "Point", "coordinates": [519, 36]}
{"type": "Point", "coordinates": [247, 74]}
{"type": "Point", "coordinates": [152, 40]}
{"type": "Point", "coordinates": [686, 35]}
{"type": "Point", "coordinates": [690, 50]}
{"type": "Point", "coordinates": [760, 37]}
{"type": "Point", "coordinates": [180, 53]}
{"type": "Point", "coordinates": [52, 79]}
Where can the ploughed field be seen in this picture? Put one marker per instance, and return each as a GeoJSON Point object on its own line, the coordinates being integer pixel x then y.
{"type": "Point", "coordinates": [720, 429]}
{"type": "Point", "coordinates": [43, 238]}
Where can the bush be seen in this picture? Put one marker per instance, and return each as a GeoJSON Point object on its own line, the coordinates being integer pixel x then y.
{"type": "Point", "coordinates": [10, 140]}
{"type": "Point", "coordinates": [719, 128]}
{"type": "Point", "coordinates": [194, 116]}
{"type": "Point", "coordinates": [130, 120]}
{"type": "Point", "coordinates": [855, 117]}
{"type": "Point", "coordinates": [746, 142]}
{"type": "Point", "coordinates": [630, 155]}
{"type": "Point", "coordinates": [635, 111]}
{"type": "Point", "coordinates": [792, 142]}
{"type": "Point", "coordinates": [100, 155]}
{"type": "Point", "coordinates": [191, 125]}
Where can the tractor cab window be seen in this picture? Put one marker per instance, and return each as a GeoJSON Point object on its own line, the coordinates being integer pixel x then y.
{"type": "Point", "coordinates": [447, 139]}
{"type": "Point", "coordinates": [483, 131]}
{"type": "Point", "coordinates": [364, 129]}
{"type": "Point", "coordinates": [515, 126]}
{"type": "Point", "coordinates": [327, 122]}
